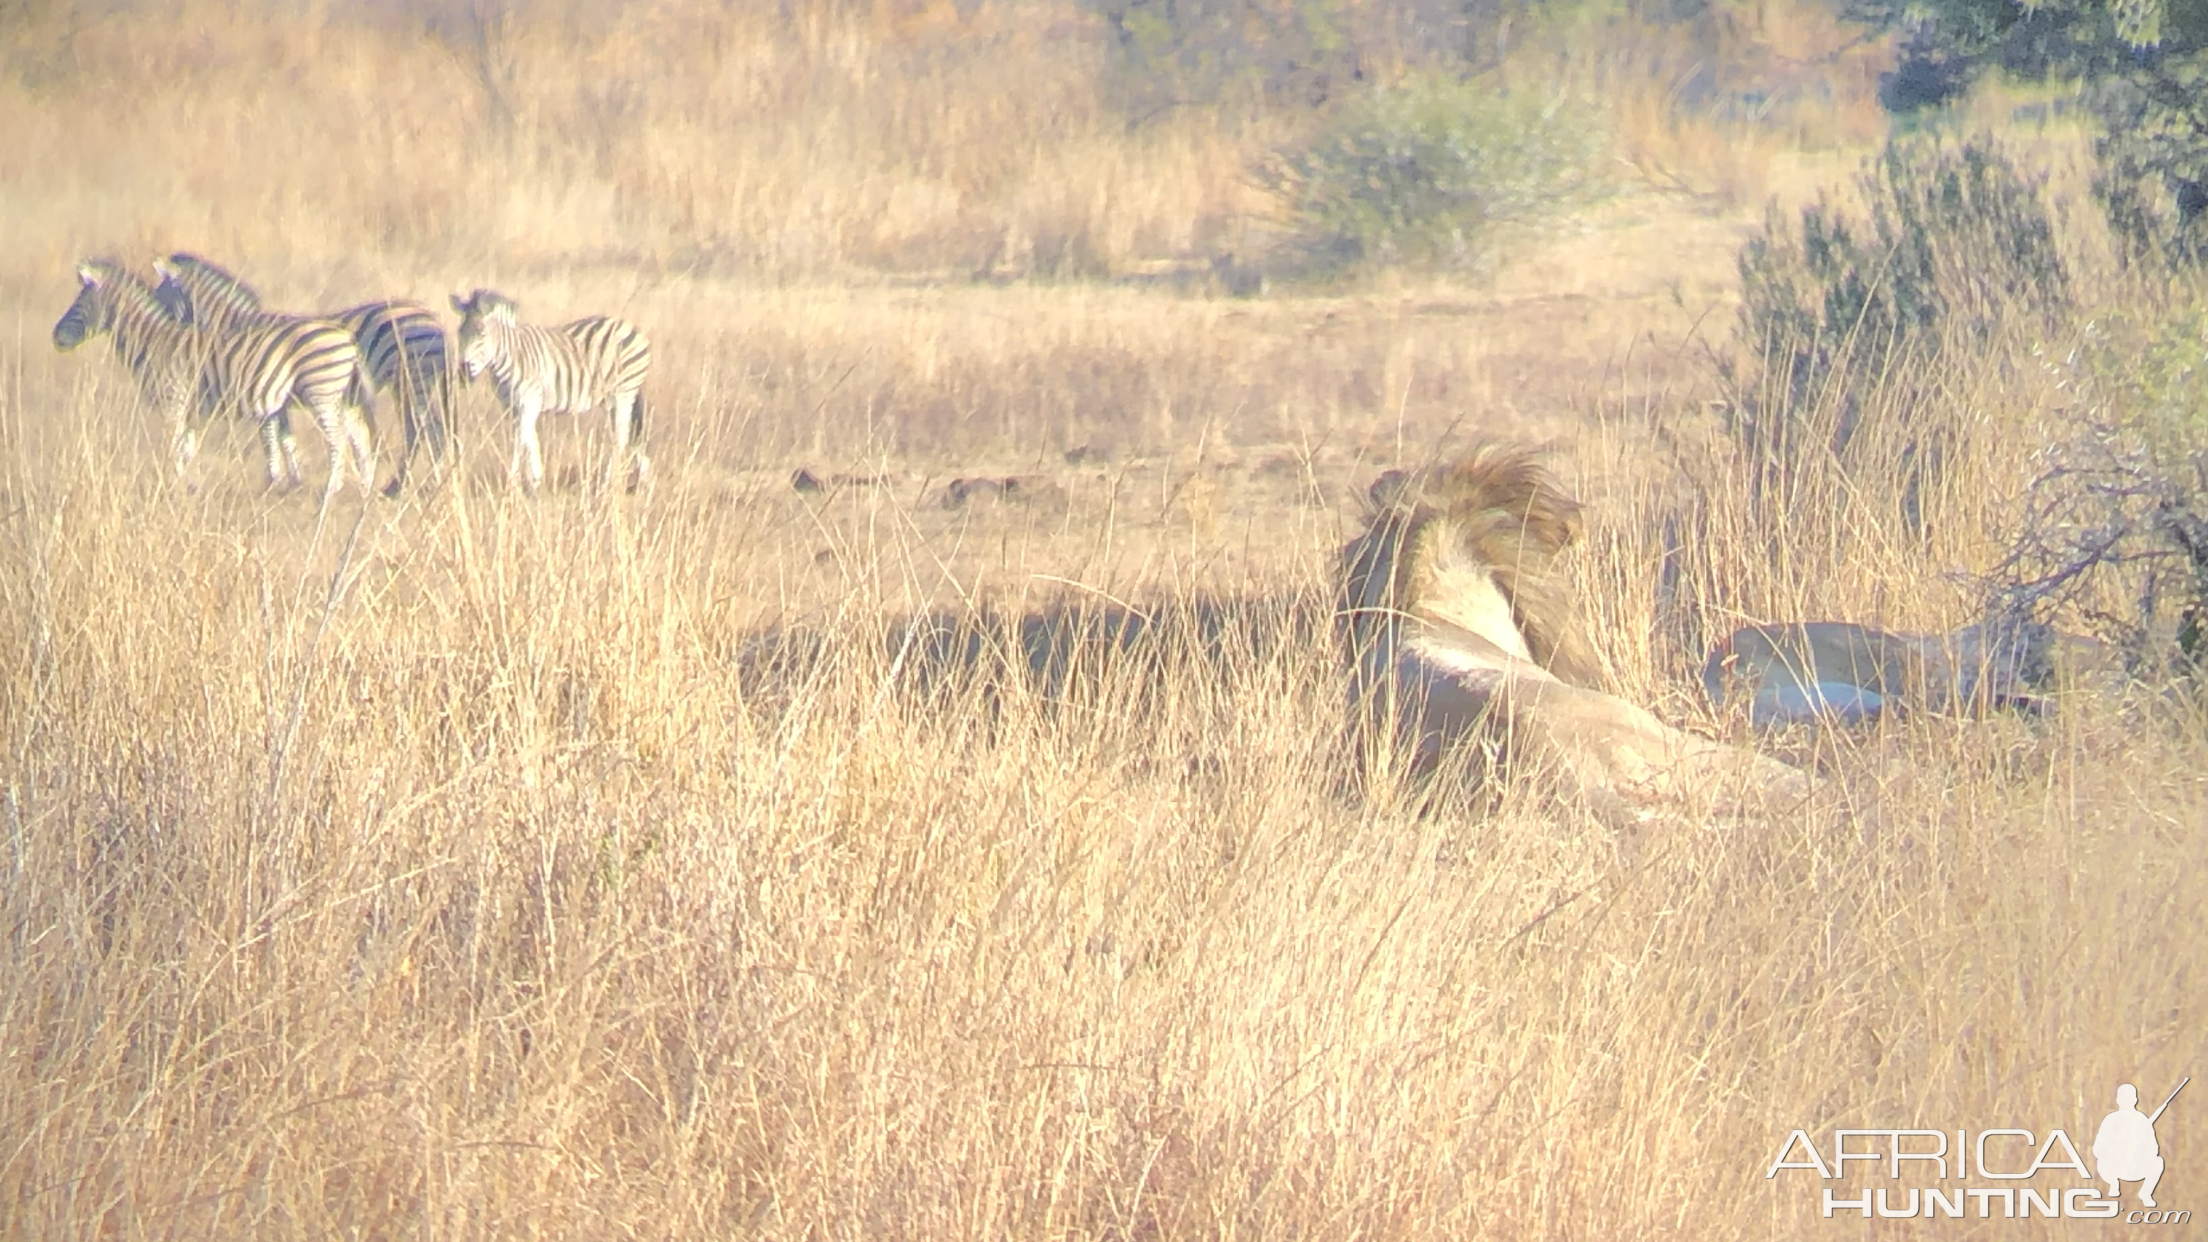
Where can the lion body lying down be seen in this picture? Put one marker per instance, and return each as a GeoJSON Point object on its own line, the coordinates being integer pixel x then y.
{"type": "Point", "coordinates": [1834, 672]}
{"type": "Point", "coordinates": [1457, 626]}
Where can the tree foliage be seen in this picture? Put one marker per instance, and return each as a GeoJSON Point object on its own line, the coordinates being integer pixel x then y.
{"type": "Point", "coordinates": [1848, 313]}
{"type": "Point", "coordinates": [2144, 67]}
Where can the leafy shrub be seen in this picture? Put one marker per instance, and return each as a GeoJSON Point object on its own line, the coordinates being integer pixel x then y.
{"type": "Point", "coordinates": [2153, 155]}
{"type": "Point", "coordinates": [2144, 68]}
{"type": "Point", "coordinates": [2116, 521]}
{"type": "Point", "coordinates": [1423, 172]}
{"type": "Point", "coordinates": [1846, 317]}
{"type": "Point", "coordinates": [2151, 373]}
{"type": "Point", "coordinates": [1175, 53]}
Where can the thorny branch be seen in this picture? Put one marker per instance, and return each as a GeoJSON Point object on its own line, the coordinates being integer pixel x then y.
{"type": "Point", "coordinates": [2101, 502]}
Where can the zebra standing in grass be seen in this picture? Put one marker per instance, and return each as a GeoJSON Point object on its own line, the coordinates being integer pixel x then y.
{"type": "Point", "coordinates": [226, 313]}
{"type": "Point", "coordinates": [261, 370]}
{"type": "Point", "coordinates": [402, 345]}
{"type": "Point", "coordinates": [571, 369]}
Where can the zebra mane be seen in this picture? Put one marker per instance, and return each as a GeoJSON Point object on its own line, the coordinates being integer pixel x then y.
{"type": "Point", "coordinates": [103, 271]}
{"type": "Point", "coordinates": [197, 274]}
{"type": "Point", "coordinates": [118, 281]}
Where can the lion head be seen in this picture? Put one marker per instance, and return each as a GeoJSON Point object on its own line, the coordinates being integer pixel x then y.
{"type": "Point", "coordinates": [1473, 544]}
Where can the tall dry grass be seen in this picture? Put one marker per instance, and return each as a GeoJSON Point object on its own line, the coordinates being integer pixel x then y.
{"type": "Point", "coordinates": [449, 867]}
{"type": "Point", "coordinates": [454, 880]}
{"type": "Point", "coordinates": [786, 142]}
{"type": "Point", "coordinates": [449, 875]}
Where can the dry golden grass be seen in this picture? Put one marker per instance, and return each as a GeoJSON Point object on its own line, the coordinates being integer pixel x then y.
{"type": "Point", "coordinates": [445, 868]}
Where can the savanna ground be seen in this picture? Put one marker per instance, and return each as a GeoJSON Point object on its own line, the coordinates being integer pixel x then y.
{"type": "Point", "coordinates": [439, 868]}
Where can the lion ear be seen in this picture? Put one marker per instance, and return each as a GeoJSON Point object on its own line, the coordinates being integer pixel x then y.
{"type": "Point", "coordinates": [1387, 488]}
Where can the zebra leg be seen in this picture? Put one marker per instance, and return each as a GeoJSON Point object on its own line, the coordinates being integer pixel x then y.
{"type": "Point", "coordinates": [183, 439]}
{"type": "Point", "coordinates": [293, 475]}
{"type": "Point", "coordinates": [614, 464]}
{"type": "Point", "coordinates": [399, 397]}
{"type": "Point", "coordinates": [279, 443]}
{"type": "Point", "coordinates": [276, 443]}
{"type": "Point", "coordinates": [185, 446]}
{"type": "Point", "coordinates": [330, 417]}
{"type": "Point", "coordinates": [361, 435]}
{"type": "Point", "coordinates": [407, 395]}
{"type": "Point", "coordinates": [436, 397]}
{"type": "Point", "coordinates": [528, 463]}
{"type": "Point", "coordinates": [628, 440]}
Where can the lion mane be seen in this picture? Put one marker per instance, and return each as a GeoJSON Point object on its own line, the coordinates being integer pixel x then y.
{"type": "Point", "coordinates": [1482, 531]}
{"type": "Point", "coordinates": [1458, 622]}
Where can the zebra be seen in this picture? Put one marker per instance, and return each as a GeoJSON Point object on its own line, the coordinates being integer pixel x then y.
{"type": "Point", "coordinates": [570, 369]}
{"type": "Point", "coordinates": [259, 370]}
{"type": "Point", "coordinates": [402, 345]}
{"type": "Point", "coordinates": [262, 365]}
{"type": "Point", "coordinates": [147, 333]}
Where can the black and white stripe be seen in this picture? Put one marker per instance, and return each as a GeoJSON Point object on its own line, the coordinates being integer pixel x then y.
{"type": "Point", "coordinates": [153, 339]}
{"type": "Point", "coordinates": [570, 369]}
{"type": "Point", "coordinates": [183, 370]}
{"type": "Point", "coordinates": [403, 346]}
{"type": "Point", "coordinates": [262, 366]}
{"type": "Point", "coordinates": [406, 352]}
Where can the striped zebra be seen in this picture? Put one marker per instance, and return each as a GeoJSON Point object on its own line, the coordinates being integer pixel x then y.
{"type": "Point", "coordinates": [402, 345]}
{"type": "Point", "coordinates": [571, 369]}
{"type": "Point", "coordinates": [261, 371]}
{"type": "Point", "coordinates": [148, 335]}
{"type": "Point", "coordinates": [265, 366]}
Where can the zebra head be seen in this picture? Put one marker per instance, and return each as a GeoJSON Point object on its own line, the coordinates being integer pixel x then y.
{"type": "Point", "coordinates": [194, 289]}
{"type": "Point", "coordinates": [484, 316]}
{"type": "Point", "coordinates": [103, 287]}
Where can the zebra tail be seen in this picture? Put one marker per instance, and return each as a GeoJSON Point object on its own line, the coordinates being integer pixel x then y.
{"type": "Point", "coordinates": [358, 390]}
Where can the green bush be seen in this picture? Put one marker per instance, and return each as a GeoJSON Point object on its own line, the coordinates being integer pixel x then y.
{"type": "Point", "coordinates": [2116, 521]}
{"type": "Point", "coordinates": [1849, 319]}
{"type": "Point", "coordinates": [1953, 240]}
{"type": "Point", "coordinates": [2153, 156]}
{"type": "Point", "coordinates": [2149, 374]}
{"type": "Point", "coordinates": [1272, 54]}
{"type": "Point", "coordinates": [1423, 172]}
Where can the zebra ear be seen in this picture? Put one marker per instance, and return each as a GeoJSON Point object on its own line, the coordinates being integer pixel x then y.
{"type": "Point", "coordinates": [460, 304]}
{"type": "Point", "coordinates": [88, 274]}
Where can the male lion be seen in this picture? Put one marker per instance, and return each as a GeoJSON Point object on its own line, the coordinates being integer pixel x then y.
{"type": "Point", "coordinates": [1455, 619]}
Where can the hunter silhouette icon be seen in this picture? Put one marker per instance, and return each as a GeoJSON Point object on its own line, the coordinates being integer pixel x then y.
{"type": "Point", "coordinates": [2125, 1150]}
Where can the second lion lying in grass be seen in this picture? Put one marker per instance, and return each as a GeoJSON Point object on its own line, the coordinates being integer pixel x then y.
{"type": "Point", "coordinates": [1457, 627]}
{"type": "Point", "coordinates": [1833, 672]}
